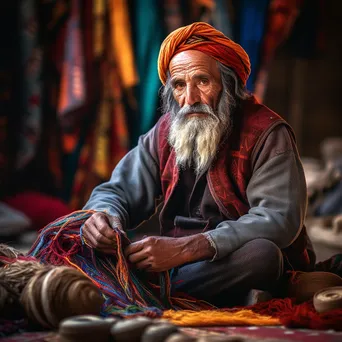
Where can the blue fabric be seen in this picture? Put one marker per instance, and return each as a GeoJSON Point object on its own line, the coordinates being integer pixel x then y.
{"type": "Point", "coordinates": [31, 60]}
{"type": "Point", "coordinates": [222, 18]}
{"type": "Point", "coordinates": [252, 16]}
{"type": "Point", "coordinates": [332, 203]}
{"type": "Point", "coordinates": [149, 36]}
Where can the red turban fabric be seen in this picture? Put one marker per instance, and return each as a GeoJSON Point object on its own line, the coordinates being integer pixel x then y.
{"type": "Point", "coordinates": [203, 37]}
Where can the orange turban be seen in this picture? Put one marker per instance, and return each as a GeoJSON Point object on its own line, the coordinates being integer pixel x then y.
{"type": "Point", "coordinates": [203, 37]}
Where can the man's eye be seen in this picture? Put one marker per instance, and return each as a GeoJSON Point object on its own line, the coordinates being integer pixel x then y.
{"type": "Point", "coordinates": [204, 81]}
{"type": "Point", "coordinates": [179, 85]}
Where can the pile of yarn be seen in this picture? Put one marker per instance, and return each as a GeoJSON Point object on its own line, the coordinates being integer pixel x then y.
{"type": "Point", "coordinates": [56, 293]}
{"type": "Point", "coordinates": [8, 252]}
{"type": "Point", "coordinates": [15, 272]}
{"type": "Point", "coordinates": [44, 294]}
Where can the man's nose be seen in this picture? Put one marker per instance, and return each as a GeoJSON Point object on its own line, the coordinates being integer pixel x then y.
{"type": "Point", "coordinates": [192, 95]}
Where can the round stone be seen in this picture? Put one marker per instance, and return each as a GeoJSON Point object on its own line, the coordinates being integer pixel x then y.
{"type": "Point", "coordinates": [179, 337]}
{"type": "Point", "coordinates": [158, 332]}
{"type": "Point", "coordinates": [130, 330]}
{"type": "Point", "coordinates": [85, 327]}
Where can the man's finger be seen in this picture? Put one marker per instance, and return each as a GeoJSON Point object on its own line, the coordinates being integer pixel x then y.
{"type": "Point", "coordinates": [102, 239]}
{"type": "Point", "coordinates": [115, 222]}
{"type": "Point", "coordinates": [92, 242]}
{"type": "Point", "coordinates": [97, 239]}
{"type": "Point", "coordinates": [107, 250]}
{"type": "Point", "coordinates": [103, 226]}
{"type": "Point", "coordinates": [133, 248]}
{"type": "Point", "coordinates": [143, 265]}
{"type": "Point", "coordinates": [87, 235]}
{"type": "Point", "coordinates": [137, 257]}
{"type": "Point", "coordinates": [104, 248]}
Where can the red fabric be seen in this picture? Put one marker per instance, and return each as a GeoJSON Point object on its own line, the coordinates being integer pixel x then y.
{"type": "Point", "coordinates": [40, 208]}
{"type": "Point", "coordinates": [230, 173]}
{"type": "Point", "coordinates": [299, 316]}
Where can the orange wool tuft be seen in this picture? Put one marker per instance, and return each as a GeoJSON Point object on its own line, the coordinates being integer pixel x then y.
{"type": "Point", "coordinates": [218, 317]}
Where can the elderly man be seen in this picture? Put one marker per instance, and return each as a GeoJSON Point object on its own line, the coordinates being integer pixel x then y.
{"type": "Point", "coordinates": [228, 171]}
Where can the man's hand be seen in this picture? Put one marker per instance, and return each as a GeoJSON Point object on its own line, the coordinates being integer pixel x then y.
{"type": "Point", "coordinates": [98, 232]}
{"type": "Point", "coordinates": [157, 254]}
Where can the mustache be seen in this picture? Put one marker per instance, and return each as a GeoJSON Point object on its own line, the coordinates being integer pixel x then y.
{"type": "Point", "coordinates": [196, 108]}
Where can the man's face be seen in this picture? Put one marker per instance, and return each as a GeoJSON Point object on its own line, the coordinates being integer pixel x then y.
{"type": "Point", "coordinates": [195, 79]}
{"type": "Point", "coordinates": [201, 115]}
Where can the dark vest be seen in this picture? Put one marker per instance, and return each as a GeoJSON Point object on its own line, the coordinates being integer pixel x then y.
{"type": "Point", "coordinates": [229, 174]}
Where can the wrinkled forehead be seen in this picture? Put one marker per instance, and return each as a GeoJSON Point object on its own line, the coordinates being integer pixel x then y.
{"type": "Point", "coordinates": [191, 61]}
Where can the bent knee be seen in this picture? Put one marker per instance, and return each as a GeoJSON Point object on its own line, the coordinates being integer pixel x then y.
{"type": "Point", "coordinates": [265, 257]}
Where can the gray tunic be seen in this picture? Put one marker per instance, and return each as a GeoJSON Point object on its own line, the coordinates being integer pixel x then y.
{"type": "Point", "coordinates": [276, 193]}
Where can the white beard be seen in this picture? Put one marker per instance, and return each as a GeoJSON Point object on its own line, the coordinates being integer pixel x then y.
{"type": "Point", "coordinates": [196, 140]}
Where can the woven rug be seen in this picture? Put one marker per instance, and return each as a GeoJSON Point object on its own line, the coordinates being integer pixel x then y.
{"type": "Point", "coordinates": [269, 333]}
{"type": "Point", "coordinates": [31, 337]}
{"type": "Point", "coordinates": [257, 334]}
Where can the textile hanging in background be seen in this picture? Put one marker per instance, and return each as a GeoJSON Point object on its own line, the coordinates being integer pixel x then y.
{"type": "Point", "coordinates": [148, 37]}
{"type": "Point", "coordinates": [73, 91]}
{"type": "Point", "coordinates": [120, 137]}
{"type": "Point", "coordinates": [203, 10]}
{"type": "Point", "coordinates": [251, 17]}
{"type": "Point", "coordinates": [111, 136]}
{"type": "Point", "coordinates": [99, 11]}
{"type": "Point", "coordinates": [122, 49]}
{"type": "Point", "coordinates": [282, 15]}
{"type": "Point", "coordinates": [223, 17]}
{"type": "Point", "coordinates": [121, 36]}
{"type": "Point", "coordinates": [102, 127]}
{"type": "Point", "coordinates": [102, 134]}
{"type": "Point", "coordinates": [307, 38]}
{"type": "Point", "coordinates": [94, 31]}
{"type": "Point", "coordinates": [31, 59]}
{"type": "Point", "coordinates": [172, 15]}
{"type": "Point", "coordinates": [78, 123]}
{"type": "Point", "coordinates": [107, 139]}
{"type": "Point", "coordinates": [9, 77]}
{"type": "Point", "coordinates": [53, 17]}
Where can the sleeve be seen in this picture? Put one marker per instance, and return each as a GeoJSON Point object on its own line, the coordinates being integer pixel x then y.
{"type": "Point", "coordinates": [134, 185]}
{"type": "Point", "coordinates": [277, 196]}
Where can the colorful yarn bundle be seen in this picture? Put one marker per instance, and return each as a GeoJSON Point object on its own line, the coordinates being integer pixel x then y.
{"type": "Point", "coordinates": [55, 293]}
{"type": "Point", "coordinates": [127, 292]}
